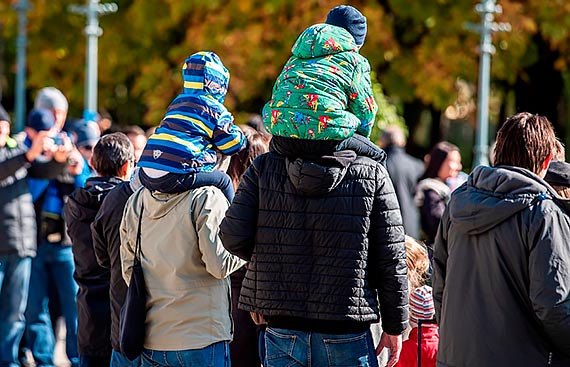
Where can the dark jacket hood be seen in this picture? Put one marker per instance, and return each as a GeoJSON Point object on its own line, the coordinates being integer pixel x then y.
{"type": "Point", "coordinates": [85, 202]}
{"type": "Point", "coordinates": [314, 167]}
{"type": "Point", "coordinates": [491, 195]}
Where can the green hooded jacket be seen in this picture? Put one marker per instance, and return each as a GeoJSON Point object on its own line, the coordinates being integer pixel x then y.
{"type": "Point", "coordinates": [324, 90]}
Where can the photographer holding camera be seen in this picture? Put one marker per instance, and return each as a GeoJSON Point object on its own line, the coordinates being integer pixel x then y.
{"type": "Point", "coordinates": [53, 266]}
{"type": "Point", "coordinates": [39, 158]}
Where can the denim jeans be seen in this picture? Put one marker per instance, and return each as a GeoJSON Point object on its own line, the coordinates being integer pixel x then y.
{"type": "Point", "coordinates": [54, 261]}
{"type": "Point", "coordinates": [119, 360]}
{"type": "Point", "coordinates": [308, 349]}
{"type": "Point", "coordinates": [14, 285]}
{"type": "Point", "coordinates": [214, 355]}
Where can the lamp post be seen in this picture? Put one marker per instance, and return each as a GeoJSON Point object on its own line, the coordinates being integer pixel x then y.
{"type": "Point", "coordinates": [21, 44]}
{"type": "Point", "coordinates": [92, 10]}
{"type": "Point", "coordinates": [487, 9]}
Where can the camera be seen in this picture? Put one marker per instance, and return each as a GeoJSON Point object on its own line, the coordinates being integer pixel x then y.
{"type": "Point", "coordinates": [57, 140]}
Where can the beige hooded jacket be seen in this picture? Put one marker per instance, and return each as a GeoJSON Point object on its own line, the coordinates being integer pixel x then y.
{"type": "Point", "coordinates": [186, 268]}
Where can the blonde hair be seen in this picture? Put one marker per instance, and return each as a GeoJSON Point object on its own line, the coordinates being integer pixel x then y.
{"type": "Point", "coordinates": [417, 261]}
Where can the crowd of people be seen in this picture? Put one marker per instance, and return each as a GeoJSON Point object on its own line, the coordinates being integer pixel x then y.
{"type": "Point", "coordinates": [289, 241]}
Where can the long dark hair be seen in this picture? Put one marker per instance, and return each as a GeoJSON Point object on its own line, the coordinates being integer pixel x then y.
{"type": "Point", "coordinates": [257, 144]}
{"type": "Point", "coordinates": [437, 156]}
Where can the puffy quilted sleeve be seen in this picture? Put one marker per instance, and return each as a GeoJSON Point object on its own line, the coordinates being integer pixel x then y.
{"type": "Point", "coordinates": [387, 255]}
{"type": "Point", "coordinates": [239, 226]}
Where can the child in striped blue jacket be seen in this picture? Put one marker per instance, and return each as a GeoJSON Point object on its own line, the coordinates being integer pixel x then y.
{"type": "Point", "coordinates": [181, 154]}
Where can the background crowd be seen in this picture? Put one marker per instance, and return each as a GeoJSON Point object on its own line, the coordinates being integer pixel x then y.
{"type": "Point", "coordinates": [290, 238]}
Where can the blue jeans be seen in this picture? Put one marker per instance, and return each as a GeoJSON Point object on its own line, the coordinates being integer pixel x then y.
{"type": "Point", "coordinates": [14, 285]}
{"type": "Point", "coordinates": [293, 348]}
{"type": "Point", "coordinates": [119, 360]}
{"type": "Point", "coordinates": [54, 261]}
{"type": "Point", "coordinates": [214, 355]}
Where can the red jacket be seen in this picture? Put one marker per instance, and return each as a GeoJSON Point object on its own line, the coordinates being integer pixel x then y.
{"type": "Point", "coordinates": [430, 339]}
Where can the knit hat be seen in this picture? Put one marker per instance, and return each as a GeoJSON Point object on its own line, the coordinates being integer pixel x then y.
{"type": "Point", "coordinates": [41, 120]}
{"type": "Point", "coordinates": [351, 19]}
{"type": "Point", "coordinates": [558, 174]}
{"type": "Point", "coordinates": [50, 98]}
{"type": "Point", "coordinates": [4, 115]}
{"type": "Point", "coordinates": [421, 304]}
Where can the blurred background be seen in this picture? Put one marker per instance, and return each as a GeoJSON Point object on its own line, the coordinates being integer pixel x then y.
{"type": "Point", "coordinates": [425, 61]}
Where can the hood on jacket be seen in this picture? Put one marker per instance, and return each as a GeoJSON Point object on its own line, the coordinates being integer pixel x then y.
{"type": "Point", "coordinates": [321, 40]}
{"type": "Point", "coordinates": [313, 179]}
{"type": "Point", "coordinates": [314, 168]}
{"type": "Point", "coordinates": [204, 73]}
{"type": "Point", "coordinates": [157, 204]}
{"type": "Point", "coordinates": [492, 195]}
{"type": "Point", "coordinates": [84, 203]}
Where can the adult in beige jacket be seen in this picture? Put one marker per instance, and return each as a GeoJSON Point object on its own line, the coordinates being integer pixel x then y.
{"type": "Point", "coordinates": [186, 271]}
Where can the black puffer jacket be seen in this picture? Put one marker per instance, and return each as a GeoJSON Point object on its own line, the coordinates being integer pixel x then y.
{"type": "Point", "coordinates": [325, 242]}
{"type": "Point", "coordinates": [17, 214]}
{"type": "Point", "coordinates": [93, 302]}
{"type": "Point", "coordinates": [501, 276]}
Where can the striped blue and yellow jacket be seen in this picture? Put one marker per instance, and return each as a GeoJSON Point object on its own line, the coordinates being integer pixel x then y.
{"type": "Point", "coordinates": [196, 123]}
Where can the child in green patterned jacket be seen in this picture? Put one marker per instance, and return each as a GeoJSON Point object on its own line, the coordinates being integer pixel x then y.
{"type": "Point", "coordinates": [324, 90]}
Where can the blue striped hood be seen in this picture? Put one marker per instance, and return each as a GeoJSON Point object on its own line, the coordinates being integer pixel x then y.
{"type": "Point", "coordinates": [196, 122]}
{"type": "Point", "coordinates": [204, 72]}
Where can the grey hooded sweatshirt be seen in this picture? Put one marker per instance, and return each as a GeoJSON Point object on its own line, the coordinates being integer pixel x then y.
{"type": "Point", "coordinates": [502, 272]}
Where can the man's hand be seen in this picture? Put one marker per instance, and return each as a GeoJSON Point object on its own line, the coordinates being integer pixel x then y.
{"type": "Point", "coordinates": [394, 345]}
{"type": "Point", "coordinates": [62, 152]}
{"type": "Point", "coordinates": [40, 144]}
{"type": "Point", "coordinates": [74, 162]}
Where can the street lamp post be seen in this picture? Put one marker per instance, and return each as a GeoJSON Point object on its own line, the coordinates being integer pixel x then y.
{"type": "Point", "coordinates": [21, 44]}
{"type": "Point", "coordinates": [92, 10]}
{"type": "Point", "coordinates": [487, 9]}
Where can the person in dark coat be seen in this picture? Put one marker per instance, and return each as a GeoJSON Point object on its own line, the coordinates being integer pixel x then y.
{"type": "Point", "coordinates": [18, 226]}
{"type": "Point", "coordinates": [107, 244]}
{"type": "Point", "coordinates": [323, 233]}
{"type": "Point", "coordinates": [404, 171]}
{"type": "Point", "coordinates": [501, 284]}
{"type": "Point", "coordinates": [113, 160]}
{"type": "Point", "coordinates": [244, 351]}
{"type": "Point", "coordinates": [432, 190]}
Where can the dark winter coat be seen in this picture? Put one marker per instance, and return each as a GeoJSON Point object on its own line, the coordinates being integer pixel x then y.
{"type": "Point", "coordinates": [325, 240]}
{"type": "Point", "coordinates": [107, 243]}
{"type": "Point", "coordinates": [431, 197]}
{"type": "Point", "coordinates": [501, 281]}
{"type": "Point", "coordinates": [404, 172]}
{"type": "Point", "coordinates": [93, 302]}
{"type": "Point", "coordinates": [17, 214]}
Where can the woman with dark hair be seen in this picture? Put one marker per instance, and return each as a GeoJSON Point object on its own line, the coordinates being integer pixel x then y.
{"type": "Point", "coordinates": [432, 191]}
{"type": "Point", "coordinates": [257, 144]}
{"type": "Point", "coordinates": [244, 351]}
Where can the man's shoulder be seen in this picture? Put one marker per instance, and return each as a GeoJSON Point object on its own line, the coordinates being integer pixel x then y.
{"type": "Point", "coordinates": [115, 200]}
{"type": "Point", "coordinates": [367, 166]}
